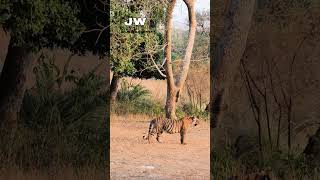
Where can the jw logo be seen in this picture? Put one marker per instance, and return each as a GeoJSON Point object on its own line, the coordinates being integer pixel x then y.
{"type": "Point", "coordinates": [135, 21]}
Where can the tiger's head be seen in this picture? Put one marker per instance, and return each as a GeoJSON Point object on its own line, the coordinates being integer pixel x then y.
{"type": "Point", "coordinates": [195, 120]}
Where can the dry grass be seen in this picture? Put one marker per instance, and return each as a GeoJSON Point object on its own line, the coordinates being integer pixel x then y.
{"type": "Point", "coordinates": [158, 88]}
{"type": "Point", "coordinates": [129, 118]}
{"type": "Point", "coordinates": [197, 88]}
{"type": "Point", "coordinates": [198, 80]}
{"type": "Point", "coordinates": [13, 173]}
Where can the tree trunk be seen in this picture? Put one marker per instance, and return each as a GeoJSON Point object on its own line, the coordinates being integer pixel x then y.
{"type": "Point", "coordinates": [175, 86]}
{"type": "Point", "coordinates": [171, 88]}
{"type": "Point", "coordinates": [13, 78]}
{"type": "Point", "coordinates": [171, 104]}
{"type": "Point", "coordinates": [229, 51]}
{"type": "Point", "coordinates": [114, 87]}
{"type": "Point", "coordinates": [184, 68]}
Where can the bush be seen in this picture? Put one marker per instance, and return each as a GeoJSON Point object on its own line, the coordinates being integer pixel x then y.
{"type": "Point", "coordinates": [278, 163]}
{"type": "Point", "coordinates": [190, 110]}
{"type": "Point", "coordinates": [223, 164]}
{"type": "Point", "coordinates": [129, 92]}
{"type": "Point", "coordinates": [62, 127]}
{"type": "Point", "coordinates": [135, 99]}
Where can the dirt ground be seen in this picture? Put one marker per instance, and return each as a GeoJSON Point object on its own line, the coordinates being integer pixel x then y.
{"type": "Point", "coordinates": [131, 157]}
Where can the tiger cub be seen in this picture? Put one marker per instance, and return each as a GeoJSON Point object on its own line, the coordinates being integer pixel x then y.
{"type": "Point", "coordinates": [160, 125]}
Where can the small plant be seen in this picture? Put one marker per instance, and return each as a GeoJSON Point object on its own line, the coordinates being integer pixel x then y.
{"type": "Point", "coordinates": [131, 92]}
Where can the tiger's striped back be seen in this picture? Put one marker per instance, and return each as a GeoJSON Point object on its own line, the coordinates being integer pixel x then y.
{"type": "Point", "coordinates": [172, 126]}
{"type": "Point", "coordinates": [156, 126]}
{"type": "Point", "coordinates": [159, 125]}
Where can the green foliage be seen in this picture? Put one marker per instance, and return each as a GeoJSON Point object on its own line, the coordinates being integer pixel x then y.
{"type": "Point", "coordinates": [224, 165]}
{"type": "Point", "coordinates": [135, 99]}
{"type": "Point", "coordinates": [146, 107]}
{"type": "Point", "coordinates": [133, 46]}
{"type": "Point", "coordinates": [129, 92]}
{"type": "Point", "coordinates": [35, 24]}
{"type": "Point", "coordinates": [200, 50]}
{"type": "Point", "coordinates": [279, 163]}
{"type": "Point", "coordinates": [75, 25]}
{"type": "Point", "coordinates": [62, 127]}
{"type": "Point", "coordinates": [283, 164]}
{"type": "Point", "coordinates": [94, 15]}
{"type": "Point", "coordinates": [192, 110]}
{"type": "Point", "coordinates": [4, 11]}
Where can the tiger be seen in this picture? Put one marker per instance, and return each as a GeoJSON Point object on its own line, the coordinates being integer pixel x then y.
{"type": "Point", "coordinates": [160, 125]}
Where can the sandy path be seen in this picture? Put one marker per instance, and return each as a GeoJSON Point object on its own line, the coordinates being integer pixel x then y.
{"type": "Point", "coordinates": [133, 158]}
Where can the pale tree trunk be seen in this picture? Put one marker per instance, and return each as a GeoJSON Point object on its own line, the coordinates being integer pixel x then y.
{"type": "Point", "coordinates": [226, 58]}
{"type": "Point", "coordinates": [175, 85]}
{"type": "Point", "coordinates": [12, 81]}
{"type": "Point", "coordinates": [114, 86]}
{"type": "Point", "coordinates": [171, 88]}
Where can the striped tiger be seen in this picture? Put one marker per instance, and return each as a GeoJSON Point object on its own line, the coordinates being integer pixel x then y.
{"type": "Point", "coordinates": [160, 125]}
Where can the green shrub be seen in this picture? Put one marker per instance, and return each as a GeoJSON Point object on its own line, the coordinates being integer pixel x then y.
{"type": "Point", "coordinates": [191, 110]}
{"type": "Point", "coordinates": [65, 127]}
{"type": "Point", "coordinates": [281, 165]}
{"type": "Point", "coordinates": [129, 92]}
{"type": "Point", "coordinates": [135, 99]}
{"type": "Point", "coordinates": [147, 107]}
{"type": "Point", "coordinates": [223, 164]}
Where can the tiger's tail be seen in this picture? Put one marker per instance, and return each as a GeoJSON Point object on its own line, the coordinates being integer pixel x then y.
{"type": "Point", "coordinates": [149, 132]}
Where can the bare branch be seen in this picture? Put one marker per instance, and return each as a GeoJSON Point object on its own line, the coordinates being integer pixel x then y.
{"type": "Point", "coordinates": [155, 65]}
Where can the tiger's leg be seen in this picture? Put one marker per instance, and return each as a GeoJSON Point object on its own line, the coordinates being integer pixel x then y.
{"type": "Point", "coordinates": [183, 137]}
{"type": "Point", "coordinates": [149, 138]}
{"type": "Point", "coordinates": [151, 135]}
{"type": "Point", "coordinates": [152, 129]}
{"type": "Point", "coordinates": [158, 137]}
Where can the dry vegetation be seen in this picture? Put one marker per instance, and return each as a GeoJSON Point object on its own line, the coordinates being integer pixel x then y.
{"type": "Point", "coordinates": [274, 93]}
{"type": "Point", "coordinates": [59, 174]}
{"type": "Point", "coordinates": [197, 86]}
{"type": "Point", "coordinates": [27, 146]}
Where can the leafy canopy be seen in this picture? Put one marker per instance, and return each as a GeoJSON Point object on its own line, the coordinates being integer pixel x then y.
{"type": "Point", "coordinates": [36, 24]}
{"type": "Point", "coordinates": [94, 15]}
{"type": "Point", "coordinates": [132, 47]}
